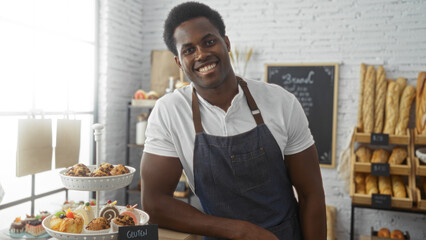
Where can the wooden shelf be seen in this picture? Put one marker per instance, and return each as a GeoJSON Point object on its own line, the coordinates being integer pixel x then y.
{"type": "Point", "coordinates": [393, 139]}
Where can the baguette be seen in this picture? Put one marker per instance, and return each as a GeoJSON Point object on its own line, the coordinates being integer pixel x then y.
{"type": "Point", "coordinates": [392, 107]}
{"type": "Point", "coordinates": [371, 184]}
{"type": "Point", "coordinates": [406, 100]}
{"type": "Point", "coordinates": [385, 185]}
{"type": "Point", "coordinates": [402, 84]}
{"type": "Point", "coordinates": [398, 156]}
{"type": "Point", "coordinates": [360, 97]}
{"type": "Point", "coordinates": [421, 103]}
{"type": "Point", "coordinates": [398, 187]}
{"type": "Point", "coordinates": [380, 156]}
{"type": "Point", "coordinates": [363, 154]}
{"type": "Point", "coordinates": [380, 99]}
{"type": "Point", "coordinates": [368, 100]}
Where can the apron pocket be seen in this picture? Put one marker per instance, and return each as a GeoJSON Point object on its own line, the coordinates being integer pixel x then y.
{"type": "Point", "coordinates": [250, 169]}
{"type": "Point", "coordinates": [288, 229]}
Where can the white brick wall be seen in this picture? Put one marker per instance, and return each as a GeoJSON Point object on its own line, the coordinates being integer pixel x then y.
{"type": "Point", "coordinates": [391, 33]}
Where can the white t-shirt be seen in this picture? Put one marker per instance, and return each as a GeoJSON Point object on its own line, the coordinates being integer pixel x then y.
{"type": "Point", "coordinates": [170, 131]}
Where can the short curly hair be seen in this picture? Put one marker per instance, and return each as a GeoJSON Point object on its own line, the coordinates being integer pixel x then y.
{"type": "Point", "coordinates": [184, 12]}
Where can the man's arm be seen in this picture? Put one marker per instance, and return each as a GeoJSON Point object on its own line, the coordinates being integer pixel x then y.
{"type": "Point", "coordinates": [160, 176]}
{"type": "Point", "coordinates": [305, 174]}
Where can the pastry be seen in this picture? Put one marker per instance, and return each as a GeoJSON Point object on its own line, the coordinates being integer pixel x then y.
{"type": "Point", "coordinates": [35, 228]}
{"type": "Point", "coordinates": [363, 154]}
{"type": "Point", "coordinates": [119, 170]}
{"type": "Point", "coordinates": [385, 185]}
{"type": "Point", "coordinates": [109, 211]}
{"type": "Point", "coordinates": [398, 155]}
{"type": "Point", "coordinates": [392, 107]}
{"type": "Point", "coordinates": [97, 224]}
{"type": "Point", "coordinates": [380, 156]}
{"type": "Point", "coordinates": [404, 110]}
{"type": "Point", "coordinates": [106, 167]}
{"type": "Point", "coordinates": [371, 184]}
{"type": "Point", "coordinates": [402, 82]}
{"type": "Point", "coordinates": [69, 204]}
{"type": "Point", "coordinates": [398, 186]}
{"type": "Point", "coordinates": [17, 228]}
{"type": "Point", "coordinates": [152, 95]}
{"type": "Point", "coordinates": [379, 101]}
{"type": "Point", "coordinates": [67, 222]}
{"type": "Point", "coordinates": [124, 220]}
{"type": "Point", "coordinates": [86, 212]}
{"type": "Point", "coordinates": [78, 170]}
{"type": "Point", "coordinates": [397, 234]}
{"type": "Point", "coordinates": [130, 210]}
{"type": "Point", "coordinates": [384, 233]}
{"type": "Point", "coordinates": [368, 100]}
{"type": "Point", "coordinates": [99, 173]}
{"type": "Point", "coordinates": [421, 103]}
{"type": "Point", "coordinates": [360, 123]}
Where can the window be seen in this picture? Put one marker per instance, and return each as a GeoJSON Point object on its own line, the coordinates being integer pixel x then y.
{"type": "Point", "coordinates": [48, 64]}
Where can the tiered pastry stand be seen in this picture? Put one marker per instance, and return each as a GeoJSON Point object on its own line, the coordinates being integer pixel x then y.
{"type": "Point", "coordinates": [95, 184]}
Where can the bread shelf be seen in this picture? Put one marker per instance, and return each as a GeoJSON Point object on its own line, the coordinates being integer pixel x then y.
{"type": "Point", "coordinates": [419, 139]}
{"type": "Point", "coordinates": [362, 137]}
{"type": "Point", "coordinates": [421, 203]}
{"type": "Point", "coordinates": [420, 168]}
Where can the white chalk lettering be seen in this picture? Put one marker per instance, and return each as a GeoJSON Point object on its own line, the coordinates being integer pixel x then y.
{"type": "Point", "coordinates": [138, 233]}
{"type": "Point", "coordinates": [288, 79]}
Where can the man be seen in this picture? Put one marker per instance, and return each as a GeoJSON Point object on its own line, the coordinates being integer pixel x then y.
{"type": "Point", "coordinates": [243, 145]}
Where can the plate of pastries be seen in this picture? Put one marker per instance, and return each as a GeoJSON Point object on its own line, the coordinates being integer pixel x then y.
{"type": "Point", "coordinates": [81, 222]}
{"type": "Point", "coordinates": [90, 178]}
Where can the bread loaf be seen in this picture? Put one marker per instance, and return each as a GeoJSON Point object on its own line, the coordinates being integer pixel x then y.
{"type": "Point", "coordinates": [360, 183]}
{"type": "Point", "coordinates": [402, 82]}
{"type": "Point", "coordinates": [398, 156]}
{"type": "Point", "coordinates": [383, 233]}
{"type": "Point", "coordinates": [380, 99]}
{"type": "Point", "coordinates": [385, 185]}
{"type": "Point", "coordinates": [380, 156]}
{"type": "Point", "coordinates": [371, 184]}
{"type": "Point", "coordinates": [404, 110]}
{"type": "Point", "coordinates": [392, 107]}
{"type": "Point", "coordinates": [363, 70]}
{"type": "Point", "coordinates": [368, 100]}
{"type": "Point", "coordinates": [398, 186]}
{"type": "Point", "coordinates": [421, 103]}
{"type": "Point", "coordinates": [397, 234]}
{"type": "Point", "coordinates": [363, 154]}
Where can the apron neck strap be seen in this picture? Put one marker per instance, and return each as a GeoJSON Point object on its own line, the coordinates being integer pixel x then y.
{"type": "Point", "coordinates": [196, 116]}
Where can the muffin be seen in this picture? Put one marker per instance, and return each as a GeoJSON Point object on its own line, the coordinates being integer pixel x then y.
{"type": "Point", "coordinates": [17, 228]}
{"type": "Point", "coordinates": [97, 225]}
{"type": "Point", "coordinates": [119, 170]}
{"type": "Point", "coordinates": [99, 173]}
{"type": "Point", "coordinates": [121, 221]}
{"type": "Point", "coordinates": [78, 170]}
{"type": "Point", "coordinates": [130, 210]}
{"type": "Point", "coordinates": [106, 167]}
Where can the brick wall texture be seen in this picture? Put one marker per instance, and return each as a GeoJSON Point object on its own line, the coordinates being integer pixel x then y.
{"type": "Point", "coordinates": [377, 32]}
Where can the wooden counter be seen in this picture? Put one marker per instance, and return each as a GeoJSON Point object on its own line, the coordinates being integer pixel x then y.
{"type": "Point", "coordinates": [165, 234]}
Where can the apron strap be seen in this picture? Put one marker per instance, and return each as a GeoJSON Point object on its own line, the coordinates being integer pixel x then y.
{"type": "Point", "coordinates": [196, 116]}
{"type": "Point", "coordinates": [250, 101]}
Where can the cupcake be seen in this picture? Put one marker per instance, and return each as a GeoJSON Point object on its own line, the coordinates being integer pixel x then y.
{"type": "Point", "coordinates": [121, 221]}
{"type": "Point", "coordinates": [119, 170]}
{"type": "Point", "coordinates": [130, 210]}
{"type": "Point", "coordinates": [109, 211]}
{"type": "Point", "coordinates": [98, 225]}
{"type": "Point", "coordinates": [86, 212]}
{"type": "Point", "coordinates": [99, 173]}
{"type": "Point", "coordinates": [78, 170]}
{"type": "Point", "coordinates": [35, 228]}
{"type": "Point", "coordinates": [106, 167]}
{"type": "Point", "coordinates": [17, 228]}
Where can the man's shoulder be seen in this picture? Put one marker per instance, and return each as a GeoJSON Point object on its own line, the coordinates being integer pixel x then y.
{"type": "Point", "coordinates": [176, 98]}
{"type": "Point", "coordinates": [259, 87]}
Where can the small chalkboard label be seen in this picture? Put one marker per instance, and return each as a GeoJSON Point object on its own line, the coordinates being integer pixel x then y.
{"type": "Point", "coordinates": [379, 139]}
{"type": "Point", "coordinates": [145, 232]}
{"type": "Point", "coordinates": [380, 169]}
{"type": "Point", "coordinates": [381, 201]}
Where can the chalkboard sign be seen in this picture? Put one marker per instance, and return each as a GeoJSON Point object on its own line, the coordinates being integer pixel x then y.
{"type": "Point", "coordinates": [315, 86]}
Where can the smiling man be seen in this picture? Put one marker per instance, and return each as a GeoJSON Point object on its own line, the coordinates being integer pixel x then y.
{"type": "Point", "coordinates": [241, 149]}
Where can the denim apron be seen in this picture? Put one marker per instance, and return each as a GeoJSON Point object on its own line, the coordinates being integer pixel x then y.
{"type": "Point", "coordinates": [244, 176]}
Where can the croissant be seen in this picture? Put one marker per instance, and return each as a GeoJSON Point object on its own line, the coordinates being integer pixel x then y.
{"type": "Point", "coordinates": [371, 184]}
{"type": "Point", "coordinates": [398, 187]}
{"type": "Point", "coordinates": [380, 99]}
{"type": "Point", "coordinates": [385, 185]}
{"type": "Point", "coordinates": [380, 156]}
{"type": "Point", "coordinates": [368, 101]}
{"type": "Point", "coordinates": [363, 153]}
{"type": "Point", "coordinates": [398, 155]}
{"type": "Point", "coordinates": [407, 98]}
